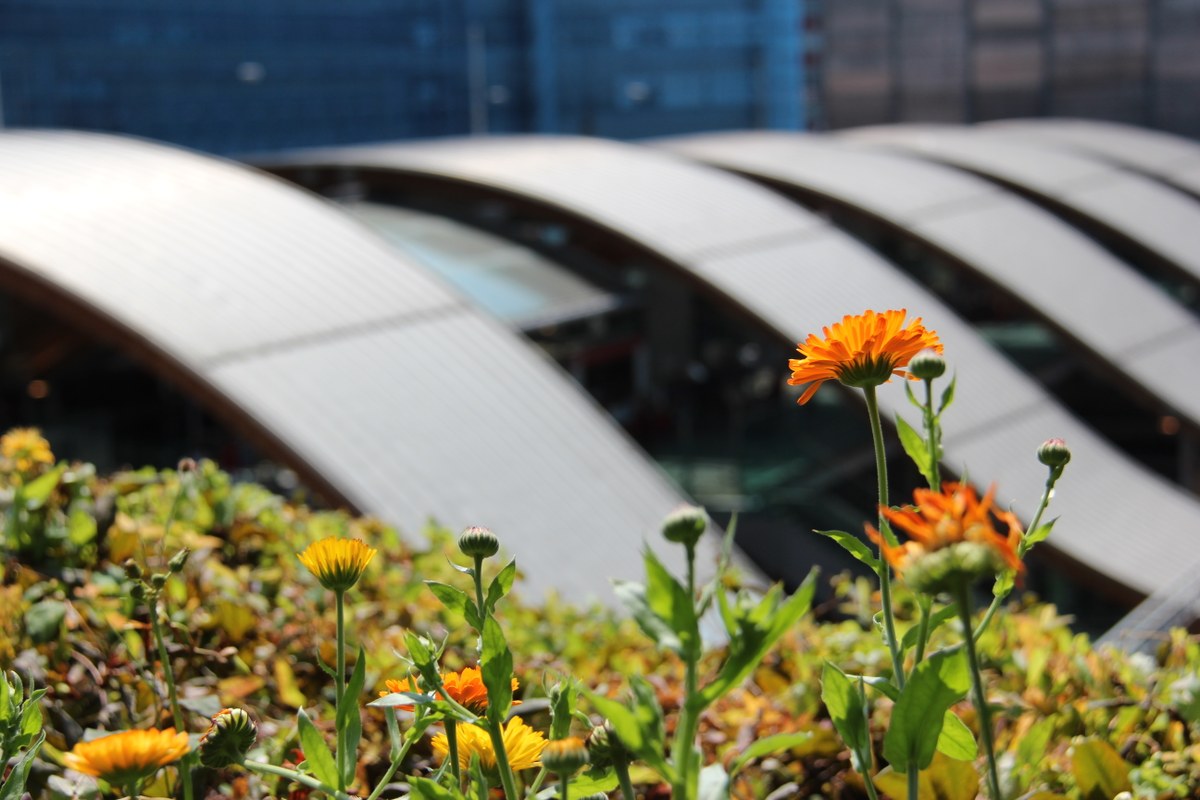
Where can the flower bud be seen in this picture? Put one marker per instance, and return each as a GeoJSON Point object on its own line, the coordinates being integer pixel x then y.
{"type": "Point", "coordinates": [565, 756]}
{"type": "Point", "coordinates": [228, 739]}
{"type": "Point", "coordinates": [478, 542]}
{"type": "Point", "coordinates": [158, 580]}
{"type": "Point", "coordinates": [685, 525]}
{"type": "Point", "coordinates": [1054, 453]}
{"type": "Point", "coordinates": [187, 465]}
{"type": "Point", "coordinates": [604, 746]}
{"type": "Point", "coordinates": [927, 365]}
{"type": "Point", "coordinates": [133, 570]}
{"type": "Point", "coordinates": [178, 560]}
{"type": "Point", "coordinates": [945, 570]}
{"type": "Point", "coordinates": [138, 591]}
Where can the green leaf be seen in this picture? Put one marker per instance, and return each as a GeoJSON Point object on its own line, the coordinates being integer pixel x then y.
{"type": "Point", "coordinates": [671, 603]}
{"type": "Point", "coordinates": [81, 527]}
{"type": "Point", "coordinates": [918, 450]}
{"type": "Point", "coordinates": [755, 632]}
{"type": "Point", "coordinates": [639, 725]}
{"type": "Point", "coordinates": [38, 490]}
{"type": "Point", "coordinates": [7, 702]}
{"type": "Point", "coordinates": [1039, 533]}
{"type": "Point", "coordinates": [496, 666]}
{"type": "Point", "coordinates": [1100, 772]}
{"type": "Point", "coordinates": [43, 620]}
{"type": "Point", "coordinates": [1005, 581]}
{"type": "Point", "coordinates": [855, 547]}
{"type": "Point", "coordinates": [956, 739]}
{"type": "Point", "coordinates": [316, 752]}
{"type": "Point", "coordinates": [349, 718]}
{"type": "Point", "coordinates": [633, 597]}
{"type": "Point", "coordinates": [501, 585]}
{"type": "Point", "coordinates": [396, 699]}
{"type": "Point", "coordinates": [947, 397]}
{"type": "Point", "coordinates": [937, 683]}
{"type": "Point", "coordinates": [936, 620]}
{"type": "Point", "coordinates": [769, 746]}
{"type": "Point", "coordinates": [425, 789]}
{"type": "Point", "coordinates": [714, 783]}
{"type": "Point", "coordinates": [912, 398]}
{"type": "Point", "coordinates": [848, 710]}
{"type": "Point", "coordinates": [14, 785]}
{"type": "Point", "coordinates": [456, 599]}
{"type": "Point", "coordinates": [944, 780]}
{"type": "Point", "coordinates": [560, 711]}
{"type": "Point", "coordinates": [590, 782]}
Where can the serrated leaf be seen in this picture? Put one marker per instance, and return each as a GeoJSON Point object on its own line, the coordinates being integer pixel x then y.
{"type": "Point", "coordinates": [918, 716]}
{"type": "Point", "coordinates": [854, 546]}
{"type": "Point", "coordinates": [916, 448]}
{"type": "Point", "coordinates": [1100, 772]}
{"type": "Point", "coordinates": [496, 666]}
{"type": "Point", "coordinates": [847, 708]}
{"type": "Point", "coordinates": [316, 752]}
{"type": "Point", "coordinates": [501, 585]}
{"type": "Point", "coordinates": [771, 745]}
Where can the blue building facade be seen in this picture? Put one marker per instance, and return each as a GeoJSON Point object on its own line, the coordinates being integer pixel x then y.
{"type": "Point", "coordinates": [232, 77]}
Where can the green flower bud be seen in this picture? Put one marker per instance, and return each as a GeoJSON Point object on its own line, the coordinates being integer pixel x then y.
{"type": "Point", "coordinates": [178, 560]}
{"type": "Point", "coordinates": [685, 525]}
{"type": "Point", "coordinates": [133, 570]}
{"type": "Point", "coordinates": [1054, 453]}
{"type": "Point", "coordinates": [138, 591]}
{"type": "Point", "coordinates": [228, 739]}
{"type": "Point", "coordinates": [158, 580]}
{"type": "Point", "coordinates": [565, 756]}
{"type": "Point", "coordinates": [478, 542]}
{"type": "Point", "coordinates": [604, 746]}
{"type": "Point", "coordinates": [927, 365]}
{"type": "Point", "coordinates": [945, 570]}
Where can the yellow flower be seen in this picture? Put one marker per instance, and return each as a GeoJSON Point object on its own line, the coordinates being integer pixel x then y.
{"type": "Point", "coordinates": [128, 757]}
{"type": "Point", "coordinates": [522, 743]}
{"type": "Point", "coordinates": [950, 532]}
{"type": "Point", "coordinates": [861, 351]}
{"type": "Point", "coordinates": [25, 448]}
{"type": "Point", "coordinates": [465, 688]}
{"type": "Point", "coordinates": [337, 563]}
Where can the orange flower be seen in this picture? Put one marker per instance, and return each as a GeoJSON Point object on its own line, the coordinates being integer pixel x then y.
{"type": "Point", "coordinates": [522, 744]}
{"type": "Point", "coordinates": [128, 757]}
{"type": "Point", "coordinates": [465, 688]}
{"type": "Point", "coordinates": [940, 521]}
{"type": "Point", "coordinates": [860, 351]}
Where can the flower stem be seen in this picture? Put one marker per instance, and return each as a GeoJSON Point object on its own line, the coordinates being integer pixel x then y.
{"type": "Point", "coordinates": [689, 714]}
{"type": "Point", "coordinates": [414, 734]}
{"type": "Point", "coordinates": [564, 782]}
{"type": "Point", "coordinates": [914, 782]}
{"type": "Point", "coordinates": [925, 604]}
{"type": "Point", "coordinates": [981, 705]}
{"type": "Point", "coordinates": [621, 765]}
{"type": "Point", "coordinates": [452, 747]}
{"type": "Point", "coordinates": [502, 766]}
{"type": "Point", "coordinates": [292, 775]}
{"type": "Point", "coordinates": [164, 658]}
{"type": "Point", "coordinates": [341, 686]}
{"type": "Point", "coordinates": [932, 431]}
{"type": "Point", "coordinates": [479, 590]}
{"type": "Point", "coordinates": [1051, 479]}
{"type": "Point", "coordinates": [885, 580]}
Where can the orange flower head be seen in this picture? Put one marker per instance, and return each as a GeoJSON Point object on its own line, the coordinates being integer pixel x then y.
{"type": "Point", "coordinates": [951, 534]}
{"type": "Point", "coordinates": [337, 563]}
{"type": "Point", "coordinates": [128, 757]}
{"type": "Point", "coordinates": [522, 743]}
{"type": "Point", "coordinates": [861, 351]}
{"type": "Point", "coordinates": [465, 688]}
{"type": "Point", "coordinates": [25, 449]}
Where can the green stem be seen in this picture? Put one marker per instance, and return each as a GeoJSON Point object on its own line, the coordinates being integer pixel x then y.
{"type": "Point", "coordinates": [621, 765]}
{"type": "Point", "coordinates": [689, 714]}
{"type": "Point", "coordinates": [413, 735]}
{"type": "Point", "coordinates": [292, 775]}
{"type": "Point", "coordinates": [1022, 548]}
{"type": "Point", "coordinates": [503, 767]}
{"type": "Point", "coordinates": [914, 782]}
{"type": "Point", "coordinates": [185, 764]}
{"type": "Point", "coordinates": [925, 604]}
{"type": "Point", "coordinates": [452, 747]}
{"type": "Point", "coordinates": [479, 591]}
{"type": "Point", "coordinates": [536, 785]}
{"type": "Point", "coordinates": [981, 705]}
{"type": "Point", "coordinates": [564, 781]}
{"type": "Point", "coordinates": [931, 430]}
{"type": "Point", "coordinates": [885, 578]}
{"type": "Point", "coordinates": [340, 678]}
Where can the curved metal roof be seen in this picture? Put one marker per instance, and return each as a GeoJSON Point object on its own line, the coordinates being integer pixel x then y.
{"type": "Point", "coordinates": [795, 272]}
{"type": "Point", "coordinates": [1167, 157]}
{"type": "Point", "coordinates": [1136, 330]}
{"type": "Point", "coordinates": [1146, 213]}
{"type": "Point", "coordinates": [297, 324]}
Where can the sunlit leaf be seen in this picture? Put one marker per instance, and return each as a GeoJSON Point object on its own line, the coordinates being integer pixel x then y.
{"type": "Point", "coordinates": [854, 546]}
{"type": "Point", "coordinates": [1100, 772]}
{"type": "Point", "coordinates": [919, 714]}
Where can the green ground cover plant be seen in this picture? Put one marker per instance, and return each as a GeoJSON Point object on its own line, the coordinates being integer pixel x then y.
{"type": "Point", "coordinates": [171, 633]}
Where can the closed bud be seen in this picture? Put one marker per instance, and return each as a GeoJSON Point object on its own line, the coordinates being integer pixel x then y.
{"type": "Point", "coordinates": [138, 591]}
{"type": "Point", "coordinates": [927, 365]}
{"type": "Point", "coordinates": [178, 560]}
{"type": "Point", "coordinates": [230, 736]}
{"type": "Point", "coordinates": [945, 570]}
{"type": "Point", "coordinates": [133, 570]}
{"type": "Point", "coordinates": [605, 747]}
{"type": "Point", "coordinates": [565, 756]}
{"type": "Point", "coordinates": [158, 580]}
{"type": "Point", "coordinates": [1054, 453]}
{"type": "Point", "coordinates": [477, 542]}
{"type": "Point", "coordinates": [685, 525]}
